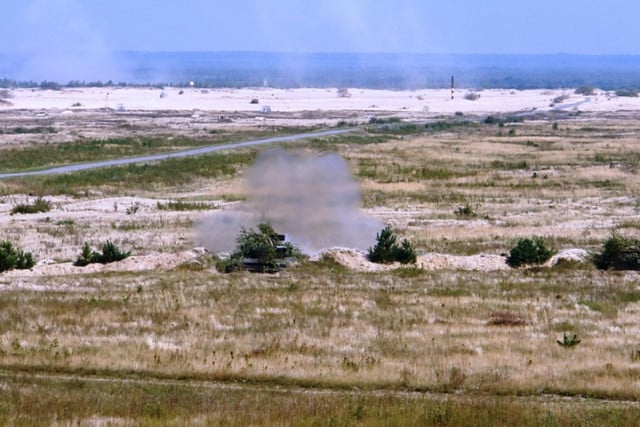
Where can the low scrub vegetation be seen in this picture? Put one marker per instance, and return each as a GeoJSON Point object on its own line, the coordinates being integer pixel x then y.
{"type": "Point", "coordinates": [39, 205]}
{"type": "Point", "coordinates": [472, 96]}
{"type": "Point", "coordinates": [397, 129]}
{"type": "Point", "coordinates": [10, 257]}
{"type": "Point", "coordinates": [110, 253]}
{"type": "Point", "coordinates": [383, 120]}
{"type": "Point", "coordinates": [628, 92]}
{"type": "Point", "coordinates": [618, 253]}
{"type": "Point", "coordinates": [387, 250]}
{"type": "Point", "coordinates": [585, 90]}
{"type": "Point", "coordinates": [569, 341]}
{"type": "Point", "coordinates": [529, 251]}
{"type": "Point", "coordinates": [182, 205]}
{"type": "Point", "coordinates": [447, 125]}
{"type": "Point", "coordinates": [31, 130]}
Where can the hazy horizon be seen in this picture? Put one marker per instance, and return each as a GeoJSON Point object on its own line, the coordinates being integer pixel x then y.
{"type": "Point", "coordinates": [65, 40]}
{"type": "Point", "coordinates": [366, 70]}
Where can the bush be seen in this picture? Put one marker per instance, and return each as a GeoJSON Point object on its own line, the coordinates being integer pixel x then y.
{"type": "Point", "coordinates": [110, 253]}
{"type": "Point", "coordinates": [529, 251]}
{"type": "Point", "coordinates": [387, 250]}
{"type": "Point", "coordinates": [24, 260]}
{"type": "Point", "coordinates": [384, 250]}
{"type": "Point", "coordinates": [569, 341]}
{"type": "Point", "coordinates": [5, 94]}
{"type": "Point", "coordinates": [630, 92]}
{"type": "Point", "coordinates": [383, 120]}
{"type": "Point", "coordinates": [618, 253]}
{"type": "Point", "coordinates": [584, 90]}
{"type": "Point", "coordinates": [406, 254]}
{"type": "Point", "coordinates": [343, 92]}
{"type": "Point", "coordinates": [39, 205]}
{"type": "Point", "coordinates": [472, 96]}
{"type": "Point", "coordinates": [11, 257]}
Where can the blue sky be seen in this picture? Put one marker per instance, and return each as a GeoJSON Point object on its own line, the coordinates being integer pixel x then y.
{"type": "Point", "coordinates": [444, 26]}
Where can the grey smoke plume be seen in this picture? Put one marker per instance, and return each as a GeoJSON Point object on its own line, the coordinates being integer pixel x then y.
{"type": "Point", "coordinates": [314, 200]}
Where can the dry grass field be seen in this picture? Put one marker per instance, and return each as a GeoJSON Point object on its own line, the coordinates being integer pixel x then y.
{"type": "Point", "coordinates": [163, 338]}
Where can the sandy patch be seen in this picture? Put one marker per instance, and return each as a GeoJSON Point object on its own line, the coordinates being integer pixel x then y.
{"type": "Point", "coordinates": [357, 260]}
{"type": "Point", "coordinates": [155, 261]}
{"type": "Point", "coordinates": [479, 262]}
{"type": "Point", "coordinates": [64, 103]}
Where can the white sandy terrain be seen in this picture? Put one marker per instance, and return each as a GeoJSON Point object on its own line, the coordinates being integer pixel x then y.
{"type": "Point", "coordinates": [436, 101]}
{"type": "Point", "coordinates": [156, 261]}
{"type": "Point", "coordinates": [357, 260]}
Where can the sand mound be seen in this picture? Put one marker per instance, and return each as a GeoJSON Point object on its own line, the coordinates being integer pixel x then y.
{"type": "Point", "coordinates": [353, 259]}
{"type": "Point", "coordinates": [157, 261]}
{"type": "Point", "coordinates": [357, 260]}
{"type": "Point", "coordinates": [569, 255]}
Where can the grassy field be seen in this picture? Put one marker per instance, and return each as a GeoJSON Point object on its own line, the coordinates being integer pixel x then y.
{"type": "Point", "coordinates": [319, 343]}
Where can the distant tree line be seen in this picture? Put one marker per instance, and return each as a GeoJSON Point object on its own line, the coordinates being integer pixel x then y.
{"type": "Point", "coordinates": [376, 78]}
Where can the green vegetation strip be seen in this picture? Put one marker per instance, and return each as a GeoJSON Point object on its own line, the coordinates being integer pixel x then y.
{"type": "Point", "coordinates": [43, 399]}
{"type": "Point", "coordinates": [38, 156]}
{"type": "Point", "coordinates": [169, 173]}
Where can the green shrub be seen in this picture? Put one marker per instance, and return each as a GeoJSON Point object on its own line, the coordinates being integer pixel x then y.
{"type": "Point", "coordinates": [529, 251]}
{"type": "Point", "coordinates": [387, 250]}
{"type": "Point", "coordinates": [618, 253]}
{"type": "Point", "coordinates": [383, 252]}
{"type": "Point", "coordinates": [110, 253]}
{"type": "Point", "coordinates": [630, 92]}
{"type": "Point", "coordinates": [39, 205]}
{"type": "Point", "coordinates": [406, 254]}
{"type": "Point", "coordinates": [24, 260]}
{"type": "Point", "coordinates": [584, 90]}
{"type": "Point", "coordinates": [86, 256]}
{"type": "Point", "coordinates": [11, 257]}
{"type": "Point", "coordinates": [569, 341]}
{"type": "Point", "coordinates": [383, 120]}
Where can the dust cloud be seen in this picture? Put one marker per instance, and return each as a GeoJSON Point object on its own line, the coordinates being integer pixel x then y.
{"type": "Point", "coordinates": [60, 41]}
{"type": "Point", "coordinates": [314, 200]}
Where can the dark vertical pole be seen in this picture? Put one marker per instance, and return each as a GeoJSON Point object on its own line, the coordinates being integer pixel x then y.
{"type": "Point", "coordinates": [451, 87]}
